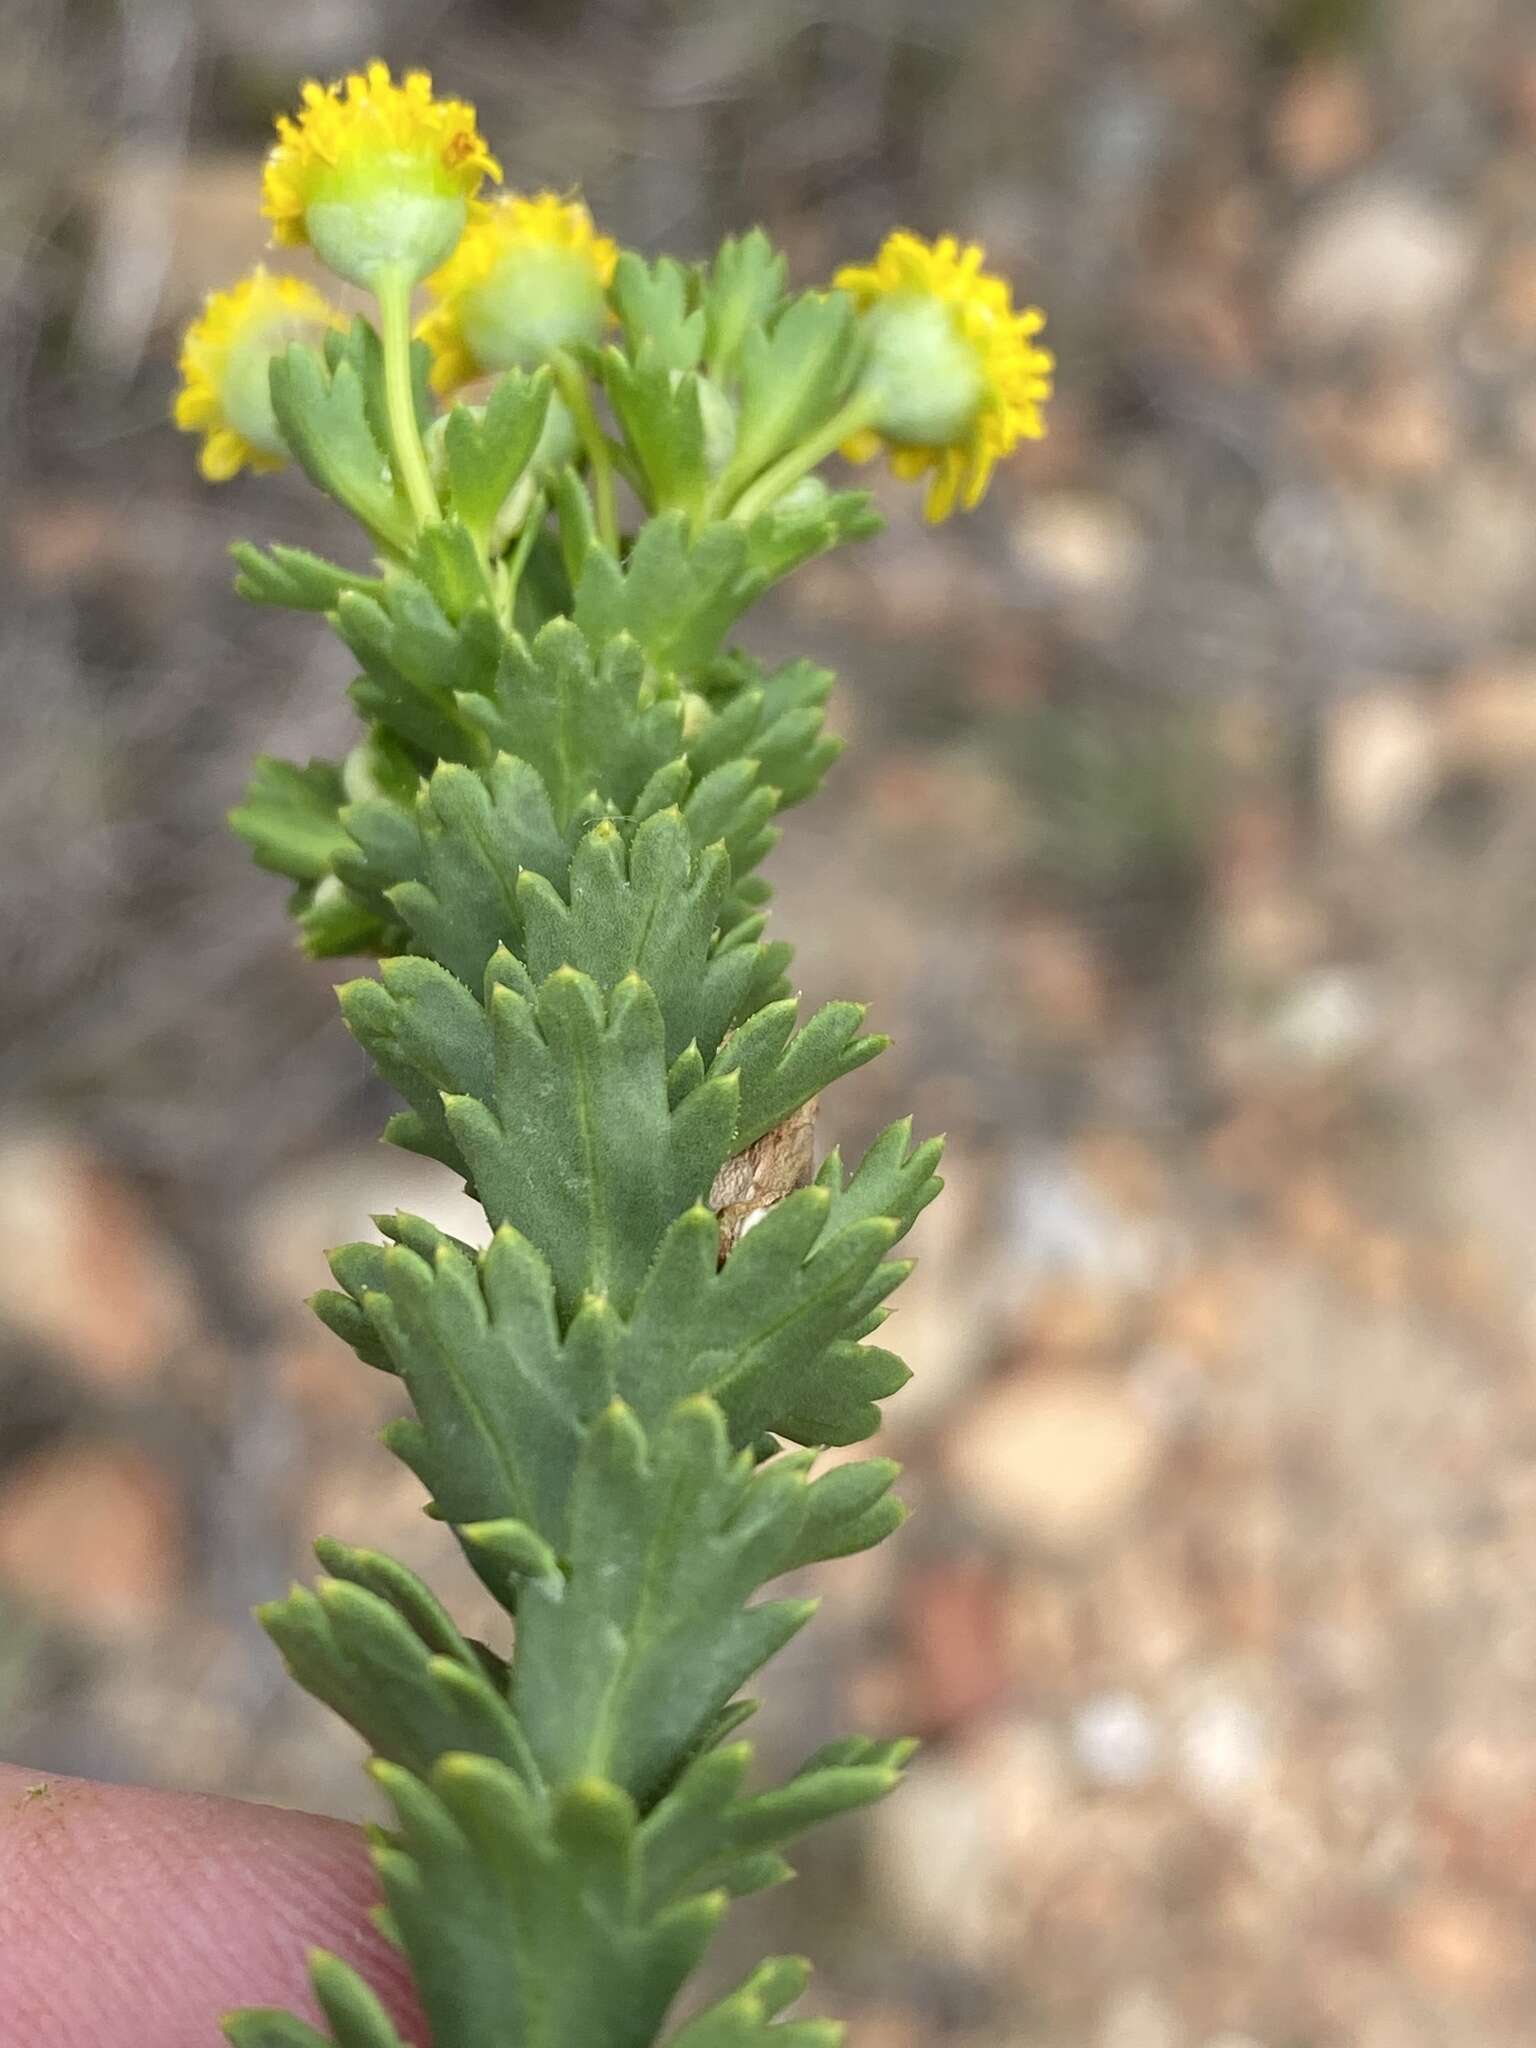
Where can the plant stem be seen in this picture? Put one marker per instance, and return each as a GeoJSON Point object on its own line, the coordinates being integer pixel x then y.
{"type": "Point", "coordinates": [573, 389]}
{"type": "Point", "coordinates": [780, 476]}
{"type": "Point", "coordinates": [517, 561]}
{"type": "Point", "coordinates": [392, 289]}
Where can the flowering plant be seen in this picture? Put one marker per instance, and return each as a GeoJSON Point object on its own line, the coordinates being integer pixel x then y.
{"type": "Point", "coordinates": [549, 833]}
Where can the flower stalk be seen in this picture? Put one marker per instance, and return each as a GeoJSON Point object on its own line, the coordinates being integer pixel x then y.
{"type": "Point", "coordinates": [392, 288]}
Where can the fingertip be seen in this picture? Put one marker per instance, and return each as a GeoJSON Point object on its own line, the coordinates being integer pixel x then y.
{"type": "Point", "coordinates": [124, 1909]}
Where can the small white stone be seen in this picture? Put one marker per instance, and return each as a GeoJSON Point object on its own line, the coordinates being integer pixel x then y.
{"type": "Point", "coordinates": [1223, 1748]}
{"type": "Point", "coordinates": [1116, 1741]}
{"type": "Point", "coordinates": [1380, 260]}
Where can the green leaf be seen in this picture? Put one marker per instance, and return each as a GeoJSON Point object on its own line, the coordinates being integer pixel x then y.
{"type": "Point", "coordinates": [806, 525]}
{"type": "Point", "coordinates": [488, 451]}
{"type": "Point", "coordinates": [707, 1831]}
{"type": "Point", "coordinates": [758, 1333]}
{"type": "Point", "coordinates": [265, 2027]}
{"type": "Point", "coordinates": [780, 1067]}
{"type": "Point", "coordinates": [732, 804]}
{"type": "Point", "coordinates": [618, 1672]}
{"type": "Point", "coordinates": [585, 723]}
{"type": "Point", "coordinates": [354, 1649]}
{"type": "Point", "coordinates": [447, 864]}
{"type": "Point", "coordinates": [650, 907]}
{"type": "Point", "coordinates": [741, 293]}
{"type": "Point", "coordinates": [654, 302]}
{"type": "Point", "coordinates": [333, 922]}
{"type": "Point", "coordinates": [502, 1397]}
{"type": "Point", "coordinates": [894, 1178]}
{"type": "Point", "coordinates": [777, 720]}
{"type": "Point", "coordinates": [417, 665]}
{"type": "Point", "coordinates": [574, 1143]}
{"type": "Point", "coordinates": [772, 1334]}
{"type": "Point", "coordinates": [520, 1916]}
{"type": "Point", "coordinates": [794, 376]}
{"type": "Point", "coordinates": [428, 1037]}
{"type": "Point", "coordinates": [323, 413]}
{"type": "Point", "coordinates": [746, 2019]}
{"type": "Point", "coordinates": [448, 561]}
{"type": "Point", "coordinates": [360, 347]}
{"type": "Point", "coordinates": [677, 595]}
{"type": "Point", "coordinates": [294, 577]}
{"type": "Point", "coordinates": [661, 414]}
{"type": "Point", "coordinates": [356, 2016]}
{"type": "Point", "coordinates": [291, 817]}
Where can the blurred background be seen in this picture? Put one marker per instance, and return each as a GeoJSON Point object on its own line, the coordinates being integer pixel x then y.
{"type": "Point", "coordinates": [1186, 843]}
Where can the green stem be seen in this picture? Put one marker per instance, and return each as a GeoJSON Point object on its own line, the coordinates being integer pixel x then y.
{"type": "Point", "coordinates": [573, 389]}
{"type": "Point", "coordinates": [392, 289]}
{"type": "Point", "coordinates": [782, 475]}
{"type": "Point", "coordinates": [517, 561]}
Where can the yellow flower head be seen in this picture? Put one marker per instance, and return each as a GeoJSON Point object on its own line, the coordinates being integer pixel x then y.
{"type": "Point", "coordinates": [225, 359]}
{"type": "Point", "coordinates": [375, 174]}
{"type": "Point", "coordinates": [954, 374]}
{"type": "Point", "coordinates": [529, 278]}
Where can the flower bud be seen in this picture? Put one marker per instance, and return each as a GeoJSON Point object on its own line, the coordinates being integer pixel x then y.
{"type": "Point", "coordinates": [925, 375]}
{"type": "Point", "coordinates": [529, 279]}
{"type": "Point", "coordinates": [376, 176]}
{"type": "Point", "coordinates": [226, 364]}
{"type": "Point", "coordinates": [954, 379]}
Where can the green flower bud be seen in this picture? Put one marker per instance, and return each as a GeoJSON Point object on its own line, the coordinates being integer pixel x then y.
{"type": "Point", "coordinates": [924, 376]}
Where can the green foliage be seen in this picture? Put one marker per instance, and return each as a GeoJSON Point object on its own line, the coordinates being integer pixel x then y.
{"type": "Point", "coordinates": [795, 373]}
{"type": "Point", "coordinates": [487, 453]}
{"type": "Point", "coordinates": [294, 578]}
{"type": "Point", "coordinates": [330, 408]}
{"type": "Point", "coordinates": [550, 832]}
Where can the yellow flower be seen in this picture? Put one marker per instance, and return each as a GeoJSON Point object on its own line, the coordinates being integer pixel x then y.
{"type": "Point", "coordinates": [529, 278]}
{"type": "Point", "coordinates": [375, 174]}
{"type": "Point", "coordinates": [225, 359]}
{"type": "Point", "coordinates": [955, 378]}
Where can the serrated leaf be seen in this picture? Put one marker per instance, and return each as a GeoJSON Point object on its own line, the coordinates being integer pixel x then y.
{"type": "Point", "coordinates": [574, 1143]}
{"type": "Point", "coordinates": [583, 723]}
{"type": "Point", "coordinates": [266, 2027]}
{"type": "Point", "coordinates": [410, 1701]}
{"type": "Point", "coordinates": [708, 1827]}
{"type": "Point", "coordinates": [745, 2018]}
{"type": "Point", "coordinates": [756, 1332]}
{"type": "Point", "coordinates": [487, 452]}
{"type": "Point", "coordinates": [772, 1333]}
{"type": "Point", "coordinates": [780, 1068]}
{"type": "Point", "coordinates": [417, 665]}
{"type": "Point", "coordinates": [649, 907]}
{"type": "Point", "coordinates": [776, 719]}
{"type": "Point", "coordinates": [359, 345]}
{"type": "Point", "coordinates": [334, 923]}
{"type": "Point", "coordinates": [447, 864]}
{"type": "Point", "coordinates": [291, 817]}
{"type": "Point", "coordinates": [449, 563]}
{"type": "Point", "coordinates": [502, 1395]}
{"type": "Point", "coordinates": [520, 1917]}
{"type": "Point", "coordinates": [661, 414]}
{"type": "Point", "coordinates": [619, 1672]}
{"type": "Point", "coordinates": [798, 529]}
{"type": "Point", "coordinates": [293, 577]}
{"type": "Point", "coordinates": [794, 375]}
{"type": "Point", "coordinates": [677, 594]}
{"type": "Point", "coordinates": [322, 410]}
{"type": "Point", "coordinates": [655, 305]}
{"type": "Point", "coordinates": [428, 1037]}
{"type": "Point", "coordinates": [742, 291]}
{"type": "Point", "coordinates": [357, 2019]}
